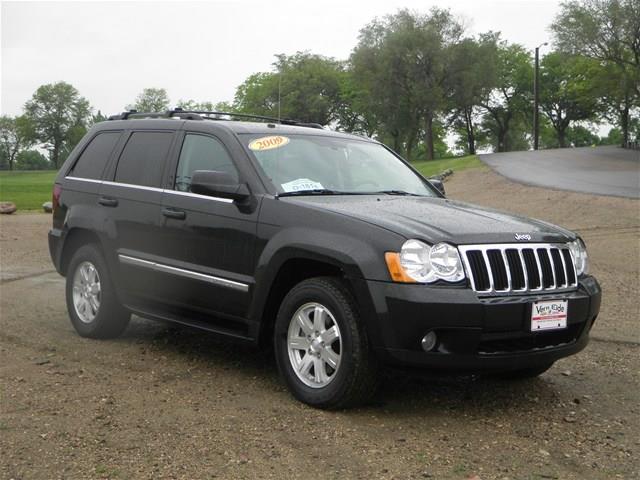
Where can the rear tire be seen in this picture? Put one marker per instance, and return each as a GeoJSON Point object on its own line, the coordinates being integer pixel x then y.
{"type": "Point", "coordinates": [93, 307]}
{"type": "Point", "coordinates": [321, 347]}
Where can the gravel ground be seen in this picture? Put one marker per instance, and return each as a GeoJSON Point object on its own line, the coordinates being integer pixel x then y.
{"type": "Point", "coordinates": [164, 402]}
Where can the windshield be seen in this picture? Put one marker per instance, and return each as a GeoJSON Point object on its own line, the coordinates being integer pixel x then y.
{"type": "Point", "coordinates": [307, 164]}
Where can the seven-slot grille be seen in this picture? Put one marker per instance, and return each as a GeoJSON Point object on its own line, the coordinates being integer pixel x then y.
{"type": "Point", "coordinates": [519, 268]}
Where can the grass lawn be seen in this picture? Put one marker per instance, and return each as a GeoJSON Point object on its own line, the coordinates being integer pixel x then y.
{"type": "Point", "coordinates": [27, 189]}
{"type": "Point", "coordinates": [434, 167]}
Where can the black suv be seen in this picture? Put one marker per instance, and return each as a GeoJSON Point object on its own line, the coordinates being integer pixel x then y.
{"type": "Point", "coordinates": [328, 246]}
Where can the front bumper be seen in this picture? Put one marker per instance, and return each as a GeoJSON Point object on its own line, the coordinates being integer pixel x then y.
{"type": "Point", "coordinates": [474, 333]}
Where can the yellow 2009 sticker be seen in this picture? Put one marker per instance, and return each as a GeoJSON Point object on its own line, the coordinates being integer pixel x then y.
{"type": "Point", "coordinates": [268, 143]}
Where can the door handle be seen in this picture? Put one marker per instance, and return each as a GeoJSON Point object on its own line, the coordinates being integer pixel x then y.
{"type": "Point", "coordinates": [171, 213]}
{"type": "Point", "coordinates": [108, 202]}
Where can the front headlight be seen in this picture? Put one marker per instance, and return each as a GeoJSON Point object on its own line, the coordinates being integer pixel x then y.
{"type": "Point", "coordinates": [579, 254]}
{"type": "Point", "coordinates": [419, 262]}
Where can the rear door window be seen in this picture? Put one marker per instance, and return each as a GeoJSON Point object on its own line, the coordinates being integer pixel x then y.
{"type": "Point", "coordinates": [95, 156]}
{"type": "Point", "coordinates": [143, 157]}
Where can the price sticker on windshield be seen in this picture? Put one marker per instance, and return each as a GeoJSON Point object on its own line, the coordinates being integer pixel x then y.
{"type": "Point", "coordinates": [268, 143]}
{"type": "Point", "coordinates": [301, 184]}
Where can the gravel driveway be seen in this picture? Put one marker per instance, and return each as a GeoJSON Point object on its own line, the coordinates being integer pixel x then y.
{"type": "Point", "coordinates": [166, 402]}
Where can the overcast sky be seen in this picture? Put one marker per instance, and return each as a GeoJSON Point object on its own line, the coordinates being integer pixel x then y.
{"type": "Point", "coordinates": [110, 51]}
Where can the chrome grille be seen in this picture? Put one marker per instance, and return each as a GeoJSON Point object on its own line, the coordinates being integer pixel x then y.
{"type": "Point", "coordinates": [519, 268]}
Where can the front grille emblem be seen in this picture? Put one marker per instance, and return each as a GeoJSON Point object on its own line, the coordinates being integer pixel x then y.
{"type": "Point", "coordinates": [523, 236]}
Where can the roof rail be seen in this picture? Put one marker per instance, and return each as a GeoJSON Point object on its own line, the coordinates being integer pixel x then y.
{"type": "Point", "coordinates": [207, 115]}
{"type": "Point", "coordinates": [283, 121]}
{"type": "Point", "coordinates": [175, 113]}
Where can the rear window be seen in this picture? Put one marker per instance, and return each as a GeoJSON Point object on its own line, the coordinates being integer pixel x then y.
{"type": "Point", "coordinates": [94, 158]}
{"type": "Point", "coordinates": [142, 160]}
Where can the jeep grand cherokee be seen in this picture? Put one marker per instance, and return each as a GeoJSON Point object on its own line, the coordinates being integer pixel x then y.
{"type": "Point", "coordinates": [328, 246]}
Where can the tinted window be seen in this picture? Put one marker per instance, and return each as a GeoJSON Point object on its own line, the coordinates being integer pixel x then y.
{"type": "Point", "coordinates": [200, 152]}
{"type": "Point", "coordinates": [142, 160]}
{"type": "Point", "coordinates": [94, 158]}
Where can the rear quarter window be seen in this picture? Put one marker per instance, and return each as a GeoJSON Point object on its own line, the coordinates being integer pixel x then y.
{"type": "Point", "coordinates": [143, 157]}
{"type": "Point", "coordinates": [94, 158]}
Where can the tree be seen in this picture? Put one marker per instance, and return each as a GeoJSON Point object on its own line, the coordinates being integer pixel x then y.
{"type": "Point", "coordinates": [151, 100]}
{"type": "Point", "coordinates": [614, 137]}
{"type": "Point", "coordinates": [402, 63]}
{"type": "Point", "coordinates": [57, 112]}
{"type": "Point", "coordinates": [75, 135]}
{"type": "Point", "coordinates": [607, 31]}
{"type": "Point", "coordinates": [617, 97]}
{"type": "Point", "coordinates": [16, 134]}
{"type": "Point", "coordinates": [192, 105]}
{"type": "Point", "coordinates": [473, 75]}
{"type": "Point", "coordinates": [32, 160]}
{"type": "Point", "coordinates": [97, 118]}
{"type": "Point", "coordinates": [304, 87]}
{"type": "Point", "coordinates": [353, 114]}
{"type": "Point", "coordinates": [4, 165]}
{"type": "Point", "coordinates": [581, 136]}
{"type": "Point", "coordinates": [575, 136]}
{"type": "Point", "coordinates": [509, 102]}
{"type": "Point", "coordinates": [567, 93]}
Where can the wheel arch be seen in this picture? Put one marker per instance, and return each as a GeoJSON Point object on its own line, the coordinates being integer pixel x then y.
{"type": "Point", "coordinates": [288, 268]}
{"type": "Point", "coordinates": [74, 239]}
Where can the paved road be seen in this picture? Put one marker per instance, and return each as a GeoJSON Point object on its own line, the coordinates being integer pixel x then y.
{"type": "Point", "coordinates": [601, 170]}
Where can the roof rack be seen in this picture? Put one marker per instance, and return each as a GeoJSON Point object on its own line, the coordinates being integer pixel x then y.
{"type": "Point", "coordinates": [207, 115]}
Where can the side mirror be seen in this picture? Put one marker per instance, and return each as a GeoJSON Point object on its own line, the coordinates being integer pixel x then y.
{"type": "Point", "coordinates": [438, 184]}
{"type": "Point", "coordinates": [218, 184]}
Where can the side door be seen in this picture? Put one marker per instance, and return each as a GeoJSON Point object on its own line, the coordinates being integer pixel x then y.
{"type": "Point", "coordinates": [208, 242]}
{"type": "Point", "coordinates": [132, 191]}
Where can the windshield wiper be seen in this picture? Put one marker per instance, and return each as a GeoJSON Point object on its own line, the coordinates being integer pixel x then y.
{"type": "Point", "coordinates": [327, 191]}
{"type": "Point", "coordinates": [398, 192]}
{"type": "Point", "coordinates": [316, 191]}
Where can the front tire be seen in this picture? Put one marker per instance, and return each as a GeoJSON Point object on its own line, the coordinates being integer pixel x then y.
{"type": "Point", "coordinates": [93, 307]}
{"type": "Point", "coordinates": [322, 350]}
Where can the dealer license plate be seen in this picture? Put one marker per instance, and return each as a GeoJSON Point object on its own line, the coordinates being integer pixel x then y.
{"type": "Point", "coordinates": [549, 315]}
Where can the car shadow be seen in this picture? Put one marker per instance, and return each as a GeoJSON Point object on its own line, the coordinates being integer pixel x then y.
{"type": "Point", "coordinates": [400, 392]}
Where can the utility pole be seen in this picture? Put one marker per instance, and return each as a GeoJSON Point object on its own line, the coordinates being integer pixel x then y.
{"type": "Point", "coordinates": [536, 97]}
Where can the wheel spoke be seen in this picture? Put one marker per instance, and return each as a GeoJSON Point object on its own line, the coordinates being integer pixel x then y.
{"type": "Point", "coordinates": [305, 323]}
{"type": "Point", "coordinates": [93, 302]}
{"type": "Point", "coordinates": [299, 343]}
{"type": "Point", "coordinates": [84, 273]}
{"type": "Point", "coordinates": [330, 335]}
{"type": "Point", "coordinates": [319, 371]}
{"type": "Point", "coordinates": [330, 357]}
{"type": "Point", "coordinates": [94, 275]}
{"type": "Point", "coordinates": [83, 306]}
{"type": "Point", "coordinates": [318, 319]}
{"type": "Point", "coordinates": [305, 365]}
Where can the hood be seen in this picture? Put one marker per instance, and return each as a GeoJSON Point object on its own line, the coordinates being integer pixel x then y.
{"type": "Point", "coordinates": [437, 219]}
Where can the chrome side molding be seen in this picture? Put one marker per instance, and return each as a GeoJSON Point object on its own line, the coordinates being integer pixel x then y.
{"type": "Point", "coordinates": [160, 267]}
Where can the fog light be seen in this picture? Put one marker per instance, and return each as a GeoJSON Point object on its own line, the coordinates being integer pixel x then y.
{"type": "Point", "coordinates": [429, 341]}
